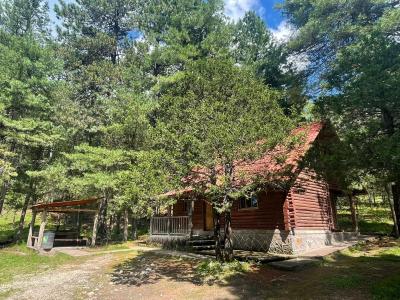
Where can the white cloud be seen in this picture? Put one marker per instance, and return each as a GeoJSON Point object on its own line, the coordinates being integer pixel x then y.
{"type": "Point", "coordinates": [235, 9]}
{"type": "Point", "coordinates": [284, 32]}
{"type": "Point", "coordinates": [299, 62]}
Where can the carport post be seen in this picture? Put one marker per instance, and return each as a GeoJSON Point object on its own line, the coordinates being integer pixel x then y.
{"type": "Point", "coordinates": [41, 230]}
{"type": "Point", "coordinates": [31, 228]}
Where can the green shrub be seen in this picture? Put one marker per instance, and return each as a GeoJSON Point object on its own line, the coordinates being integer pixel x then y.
{"type": "Point", "coordinates": [211, 270]}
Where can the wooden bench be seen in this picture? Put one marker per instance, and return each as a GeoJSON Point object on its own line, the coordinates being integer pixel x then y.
{"type": "Point", "coordinates": [65, 238]}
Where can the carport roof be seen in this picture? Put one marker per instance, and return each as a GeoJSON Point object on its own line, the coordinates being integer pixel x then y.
{"type": "Point", "coordinates": [65, 203]}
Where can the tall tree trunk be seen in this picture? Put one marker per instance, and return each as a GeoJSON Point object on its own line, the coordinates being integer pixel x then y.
{"type": "Point", "coordinates": [134, 228]}
{"type": "Point", "coordinates": [126, 224]}
{"type": "Point", "coordinates": [118, 223]}
{"type": "Point", "coordinates": [111, 222]}
{"type": "Point", "coordinates": [396, 228]}
{"type": "Point", "coordinates": [217, 233]}
{"type": "Point", "coordinates": [396, 201]}
{"type": "Point", "coordinates": [102, 222]}
{"type": "Point", "coordinates": [20, 228]}
{"type": "Point", "coordinates": [353, 212]}
{"type": "Point", "coordinates": [3, 193]}
{"type": "Point", "coordinates": [228, 243]}
{"type": "Point", "coordinates": [14, 215]}
{"type": "Point", "coordinates": [95, 229]}
{"type": "Point", "coordinates": [369, 198]}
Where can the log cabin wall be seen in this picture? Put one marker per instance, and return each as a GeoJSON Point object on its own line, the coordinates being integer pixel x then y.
{"type": "Point", "coordinates": [306, 206]}
{"type": "Point", "coordinates": [311, 203]}
{"type": "Point", "coordinates": [268, 215]}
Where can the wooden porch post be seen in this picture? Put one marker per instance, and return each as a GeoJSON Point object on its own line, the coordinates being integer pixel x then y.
{"type": "Point", "coordinates": [42, 228]}
{"type": "Point", "coordinates": [95, 227]}
{"type": "Point", "coordinates": [169, 220]}
{"type": "Point", "coordinates": [151, 226]}
{"type": "Point", "coordinates": [191, 209]}
{"type": "Point", "coordinates": [31, 228]}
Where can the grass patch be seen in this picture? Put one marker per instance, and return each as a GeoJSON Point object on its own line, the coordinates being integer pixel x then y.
{"type": "Point", "coordinates": [212, 270]}
{"type": "Point", "coordinates": [392, 251]}
{"type": "Point", "coordinates": [370, 219]}
{"type": "Point", "coordinates": [345, 281]}
{"type": "Point", "coordinates": [19, 260]}
{"type": "Point", "coordinates": [9, 222]}
{"type": "Point", "coordinates": [388, 288]}
{"type": "Point", "coordinates": [111, 246]}
{"type": "Point", "coordinates": [6, 294]}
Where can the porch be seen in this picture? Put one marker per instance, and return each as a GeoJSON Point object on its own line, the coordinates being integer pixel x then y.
{"type": "Point", "coordinates": [171, 225]}
{"type": "Point", "coordinates": [187, 218]}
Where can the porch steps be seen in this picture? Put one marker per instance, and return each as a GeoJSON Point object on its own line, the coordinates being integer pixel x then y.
{"type": "Point", "coordinates": [199, 243]}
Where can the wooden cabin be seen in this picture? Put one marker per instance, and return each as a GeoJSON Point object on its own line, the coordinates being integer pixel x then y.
{"type": "Point", "coordinates": [289, 218]}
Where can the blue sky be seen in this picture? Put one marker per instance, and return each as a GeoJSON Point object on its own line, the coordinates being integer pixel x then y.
{"type": "Point", "coordinates": [265, 8]}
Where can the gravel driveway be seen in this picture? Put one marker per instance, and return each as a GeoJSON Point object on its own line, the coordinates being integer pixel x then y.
{"type": "Point", "coordinates": [65, 282]}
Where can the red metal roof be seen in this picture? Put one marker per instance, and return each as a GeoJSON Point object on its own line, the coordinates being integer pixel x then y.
{"type": "Point", "coordinates": [267, 167]}
{"type": "Point", "coordinates": [65, 203]}
{"type": "Point", "coordinates": [268, 164]}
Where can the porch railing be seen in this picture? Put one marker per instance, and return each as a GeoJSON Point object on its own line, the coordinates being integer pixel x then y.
{"type": "Point", "coordinates": [170, 225]}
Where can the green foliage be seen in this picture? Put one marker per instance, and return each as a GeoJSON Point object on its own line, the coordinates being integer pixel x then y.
{"type": "Point", "coordinates": [255, 48]}
{"type": "Point", "coordinates": [28, 132]}
{"type": "Point", "coordinates": [213, 115]}
{"type": "Point", "coordinates": [370, 220]}
{"type": "Point", "coordinates": [213, 270]}
{"type": "Point", "coordinates": [179, 32]}
{"type": "Point", "coordinates": [356, 62]}
{"type": "Point", "coordinates": [24, 17]}
{"type": "Point", "coordinates": [97, 28]}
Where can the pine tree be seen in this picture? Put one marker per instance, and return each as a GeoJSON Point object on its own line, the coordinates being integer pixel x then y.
{"type": "Point", "coordinates": [211, 117]}
{"type": "Point", "coordinates": [27, 128]}
{"type": "Point", "coordinates": [354, 53]}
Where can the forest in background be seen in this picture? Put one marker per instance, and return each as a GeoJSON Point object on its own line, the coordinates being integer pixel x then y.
{"type": "Point", "coordinates": [126, 97]}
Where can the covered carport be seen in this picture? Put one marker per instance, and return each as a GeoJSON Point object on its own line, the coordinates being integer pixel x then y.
{"type": "Point", "coordinates": [40, 240]}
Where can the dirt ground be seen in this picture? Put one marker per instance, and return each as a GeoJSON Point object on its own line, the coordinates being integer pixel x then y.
{"type": "Point", "coordinates": [152, 275]}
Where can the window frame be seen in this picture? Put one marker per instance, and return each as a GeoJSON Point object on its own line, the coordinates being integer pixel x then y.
{"type": "Point", "coordinates": [248, 200]}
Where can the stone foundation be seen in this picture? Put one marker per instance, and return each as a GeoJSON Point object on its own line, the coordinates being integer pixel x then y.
{"type": "Point", "coordinates": [177, 242]}
{"type": "Point", "coordinates": [287, 242]}
{"type": "Point", "coordinates": [272, 241]}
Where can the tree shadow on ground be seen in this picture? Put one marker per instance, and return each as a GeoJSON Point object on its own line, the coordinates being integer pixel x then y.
{"type": "Point", "coordinates": [356, 274]}
{"type": "Point", "coordinates": [149, 269]}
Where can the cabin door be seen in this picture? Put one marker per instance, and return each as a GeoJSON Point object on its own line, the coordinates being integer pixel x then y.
{"type": "Point", "coordinates": [208, 218]}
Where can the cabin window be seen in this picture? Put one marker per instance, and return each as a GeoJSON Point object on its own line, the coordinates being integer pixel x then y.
{"type": "Point", "coordinates": [251, 202]}
{"type": "Point", "coordinates": [300, 190]}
